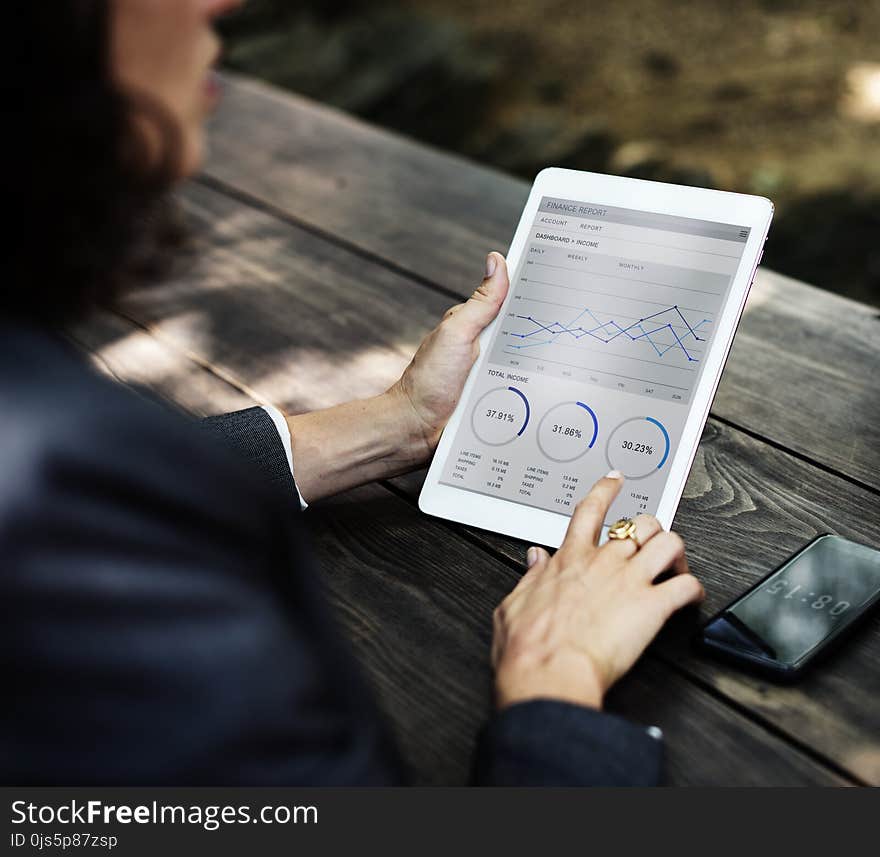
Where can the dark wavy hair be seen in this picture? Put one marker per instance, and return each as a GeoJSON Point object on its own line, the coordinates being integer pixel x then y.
{"type": "Point", "coordinates": [87, 203]}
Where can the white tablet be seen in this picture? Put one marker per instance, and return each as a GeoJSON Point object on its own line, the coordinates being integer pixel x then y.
{"type": "Point", "coordinates": [624, 299]}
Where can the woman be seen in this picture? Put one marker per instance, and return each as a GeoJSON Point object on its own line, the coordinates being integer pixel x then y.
{"type": "Point", "coordinates": [164, 625]}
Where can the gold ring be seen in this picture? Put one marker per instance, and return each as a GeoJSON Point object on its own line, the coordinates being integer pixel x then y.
{"type": "Point", "coordinates": [625, 528]}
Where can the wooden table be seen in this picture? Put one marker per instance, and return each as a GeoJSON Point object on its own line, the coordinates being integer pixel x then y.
{"type": "Point", "coordinates": [326, 250]}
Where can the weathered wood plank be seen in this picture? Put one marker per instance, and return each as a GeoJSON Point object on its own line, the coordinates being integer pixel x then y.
{"type": "Point", "coordinates": [305, 323]}
{"type": "Point", "coordinates": [800, 373]}
{"type": "Point", "coordinates": [419, 622]}
{"type": "Point", "coordinates": [432, 213]}
{"type": "Point", "coordinates": [740, 492]}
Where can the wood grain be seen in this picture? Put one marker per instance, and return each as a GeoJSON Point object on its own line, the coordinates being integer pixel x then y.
{"type": "Point", "coordinates": [296, 320]}
{"type": "Point", "coordinates": [429, 212]}
{"type": "Point", "coordinates": [802, 368]}
{"type": "Point", "coordinates": [136, 358]}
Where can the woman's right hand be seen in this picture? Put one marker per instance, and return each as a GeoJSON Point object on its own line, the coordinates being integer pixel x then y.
{"type": "Point", "coordinates": [577, 621]}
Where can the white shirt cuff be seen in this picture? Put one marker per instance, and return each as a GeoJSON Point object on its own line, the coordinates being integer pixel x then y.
{"type": "Point", "coordinates": [284, 434]}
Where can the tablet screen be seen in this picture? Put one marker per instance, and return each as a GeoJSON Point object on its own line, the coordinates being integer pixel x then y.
{"type": "Point", "coordinates": [597, 357]}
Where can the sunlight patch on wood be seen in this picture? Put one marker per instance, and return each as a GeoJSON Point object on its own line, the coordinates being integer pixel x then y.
{"type": "Point", "coordinates": [312, 379]}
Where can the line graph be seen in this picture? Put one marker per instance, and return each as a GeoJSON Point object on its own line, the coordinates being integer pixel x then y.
{"type": "Point", "coordinates": [632, 325]}
{"type": "Point", "coordinates": [610, 330]}
{"type": "Point", "coordinates": [627, 339]}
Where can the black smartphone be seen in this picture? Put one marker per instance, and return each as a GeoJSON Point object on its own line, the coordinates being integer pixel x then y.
{"type": "Point", "coordinates": [792, 615]}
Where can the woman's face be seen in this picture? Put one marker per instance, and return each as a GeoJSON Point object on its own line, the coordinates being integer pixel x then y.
{"type": "Point", "coordinates": [166, 50]}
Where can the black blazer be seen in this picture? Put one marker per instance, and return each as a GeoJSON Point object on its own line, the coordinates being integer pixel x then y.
{"type": "Point", "coordinates": [162, 621]}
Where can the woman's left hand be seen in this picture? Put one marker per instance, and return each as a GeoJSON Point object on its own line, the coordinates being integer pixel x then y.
{"type": "Point", "coordinates": [383, 436]}
{"type": "Point", "coordinates": [431, 385]}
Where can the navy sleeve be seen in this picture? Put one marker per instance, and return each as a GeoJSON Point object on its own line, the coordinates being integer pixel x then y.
{"type": "Point", "coordinates": [253, 436]}
{"type": "Point", "coordinates": [550, 743]}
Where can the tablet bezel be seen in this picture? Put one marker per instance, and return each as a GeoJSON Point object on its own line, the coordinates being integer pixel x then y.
{"type": "Point", "coordinates": [548, 528]}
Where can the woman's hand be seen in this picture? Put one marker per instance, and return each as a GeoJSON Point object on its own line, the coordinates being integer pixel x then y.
{"type": "Point", "coordinates": [577, 621]}
{"type": "Point", "coordinates": [357, 442]}
{"type": "Point", "coordinates": [431, 385]}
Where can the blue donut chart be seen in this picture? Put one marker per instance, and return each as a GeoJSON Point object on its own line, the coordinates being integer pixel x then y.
{"type": "Point", "coordinates": [507, 406]}
{"type": "Point", "coordinates": [567, 431]}
{"type": "Point", "coordinates": [644, 445]}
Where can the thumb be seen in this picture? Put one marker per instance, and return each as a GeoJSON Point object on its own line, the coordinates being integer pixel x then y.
{"type": "Point", "coordinates": [536, 557]}
{"type": "Point", "coordinates": [483, 305]}
{"type": "Point", "coordinates": [536, 561]}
